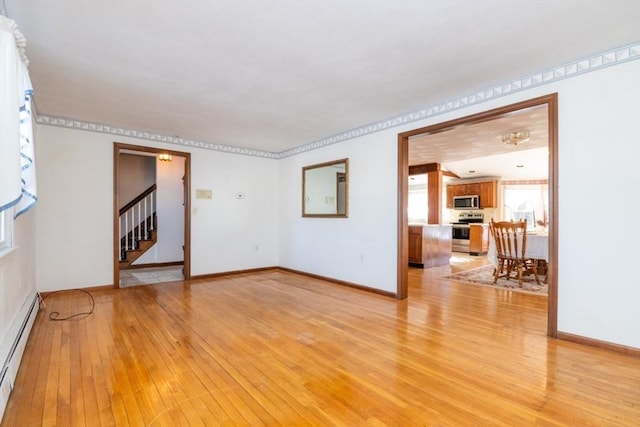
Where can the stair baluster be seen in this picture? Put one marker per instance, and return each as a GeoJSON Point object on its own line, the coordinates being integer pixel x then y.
{"type": "Point", "coordinates": [153, 211]}
{"type": "Point", "coordinates": [119, 240]}
{"type": "Point", "coordinates": [139, 223]}
{"type": "Point", "coordinates": [126, 232]}
{"type": "Point", "coordinates": [146, 226]}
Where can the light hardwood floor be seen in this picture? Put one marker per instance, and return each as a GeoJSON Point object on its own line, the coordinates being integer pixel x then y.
{"type": "Point", "coordinates": [276, 348]}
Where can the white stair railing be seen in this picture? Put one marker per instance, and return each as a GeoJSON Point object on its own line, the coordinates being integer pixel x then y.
{"type": "Point", "coordinates": [137, 221]}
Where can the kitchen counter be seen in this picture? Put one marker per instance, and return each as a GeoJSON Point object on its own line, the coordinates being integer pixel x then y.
{"type": "Point", "coordinates": [429, 245]}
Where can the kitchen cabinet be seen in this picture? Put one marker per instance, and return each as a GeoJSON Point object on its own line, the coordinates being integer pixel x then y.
{"type": "Point", "coordinates": [488, 194]}
{"type": "Point", "coordinates": [415, 244]}
{"type": "Point", "coordinates": [429, 245]}
{"type": "Point", "coordinates": [478, 239]}
{"type": "Point", "coordinates": [487, 190]}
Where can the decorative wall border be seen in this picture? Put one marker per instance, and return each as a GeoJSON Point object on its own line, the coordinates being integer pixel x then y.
{"type": "Point", "coordinates": [133, 133]}
{"type": "Point", "coordinates": [581, 66]}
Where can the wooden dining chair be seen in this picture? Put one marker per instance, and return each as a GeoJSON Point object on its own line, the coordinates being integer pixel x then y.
{"type": "Point", "coordinates": [511, 244]}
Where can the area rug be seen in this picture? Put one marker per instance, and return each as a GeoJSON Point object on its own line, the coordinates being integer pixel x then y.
{"type": "Point", "coordinates": [484, 276]}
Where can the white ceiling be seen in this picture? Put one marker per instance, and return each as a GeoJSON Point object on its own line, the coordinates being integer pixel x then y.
{"type": "Point", "coordinates": [273, 75]}
{"type": "Point", "coordinates": [476, 150]}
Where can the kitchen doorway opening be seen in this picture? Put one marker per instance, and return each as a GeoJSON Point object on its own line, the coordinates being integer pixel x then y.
{"type": "Point", "coordinates": [551, 103]}
{"type": "Point", "coordinates": [157, 218]}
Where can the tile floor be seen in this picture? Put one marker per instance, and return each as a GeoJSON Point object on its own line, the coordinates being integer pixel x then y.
{"type": "Point", "coordinates": [144, 276]}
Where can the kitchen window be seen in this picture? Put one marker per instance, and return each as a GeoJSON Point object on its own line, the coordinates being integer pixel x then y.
{"type": "Point", "coordinates": [418, 206]}
{"type": "Point", "coordinates": [530, 201]}
{"type": "Point", "coordinates": [418, 200]}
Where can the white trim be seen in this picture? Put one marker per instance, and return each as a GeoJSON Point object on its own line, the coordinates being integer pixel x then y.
{"type": "Point", "coordinates": [580, 66]}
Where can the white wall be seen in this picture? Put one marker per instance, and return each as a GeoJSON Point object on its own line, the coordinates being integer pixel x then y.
{"type": "Point", "coordinates": [599, 292]}
{"type": "Point", "coordinates": [75, 209]}
{"type": "Point", "coordinates": [361, 248]}
{"type": "Point", "coordinates": [74, 221]}
{"type": "Point", "coordinates": [230, 233]}
{"type": "Point", "coordinates": [599, 178]}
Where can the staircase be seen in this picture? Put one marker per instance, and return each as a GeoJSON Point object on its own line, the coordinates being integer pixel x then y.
{"type": "Point", "coordinates": [137, 227]}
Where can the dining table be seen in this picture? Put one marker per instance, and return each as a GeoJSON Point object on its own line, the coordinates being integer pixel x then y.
{"type": "Point", "coordinates": [537, 248]}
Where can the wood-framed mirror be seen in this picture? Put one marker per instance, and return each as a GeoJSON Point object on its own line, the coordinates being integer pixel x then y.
{"type": "Point", "coordinates": [325, 190]}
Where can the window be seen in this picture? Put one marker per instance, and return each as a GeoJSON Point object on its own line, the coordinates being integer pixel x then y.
{"type": "Point", "coordinates": [418, 201]}
{"type": "Point", "coordinates": [17, 167]}
{"type": "Point", "coordinates": [527, 201]}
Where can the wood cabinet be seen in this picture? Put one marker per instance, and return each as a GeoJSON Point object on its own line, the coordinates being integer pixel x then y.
{"type": "Point", "coordinates": [488, 194]}
{"type": "Point", "coordinates": [478, 239]}
{"type": "Point", "coordinates": [415, 244]}
{"type": "Point", "coordinates": [429, 245]}
{"type": "Point", "coordinates": [487, 190]}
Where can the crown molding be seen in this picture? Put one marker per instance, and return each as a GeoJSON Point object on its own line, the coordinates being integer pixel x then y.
{"type": "Point", "coordinates": [581, 66]}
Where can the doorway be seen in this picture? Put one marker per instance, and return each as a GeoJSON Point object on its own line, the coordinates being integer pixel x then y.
{"type": "Point", "coordinates": [125, 230]}
{"type": "Point", "coordinates": [551, 102]}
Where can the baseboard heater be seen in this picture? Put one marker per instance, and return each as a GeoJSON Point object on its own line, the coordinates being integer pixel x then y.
{"type": "Point", "coordinates": [12, 361]}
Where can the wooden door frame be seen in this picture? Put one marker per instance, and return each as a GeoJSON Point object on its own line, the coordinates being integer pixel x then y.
{"type": "Point", "coordinates": [551, 101]}
{"type": "Point", "coordinates": [117, 147]}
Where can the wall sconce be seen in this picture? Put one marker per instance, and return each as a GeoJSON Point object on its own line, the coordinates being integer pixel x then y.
{"type": "Point", "coordinates": [164, 157]}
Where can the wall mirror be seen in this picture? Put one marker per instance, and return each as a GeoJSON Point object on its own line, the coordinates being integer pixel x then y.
{"type": "Point", "coordinates": [325, 189]}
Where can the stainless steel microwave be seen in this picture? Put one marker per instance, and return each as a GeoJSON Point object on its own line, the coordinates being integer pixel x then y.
{"type": "Point", "coordinates": [466, 202]}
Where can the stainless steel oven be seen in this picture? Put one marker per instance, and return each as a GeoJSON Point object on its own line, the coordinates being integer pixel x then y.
{"type": "Point", "coordinates": [460, 237]}
{"type": "Point", "coordinates": [460, 230]}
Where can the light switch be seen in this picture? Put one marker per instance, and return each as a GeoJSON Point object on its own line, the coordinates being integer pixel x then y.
{"type": "Point", "coordinates": [204, 194]}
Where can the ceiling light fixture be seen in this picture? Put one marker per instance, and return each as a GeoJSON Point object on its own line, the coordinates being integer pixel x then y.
{"type": "Point", "coordinates": [515, 137]}
{"type": "Point", "coordinates": [164, 157]}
